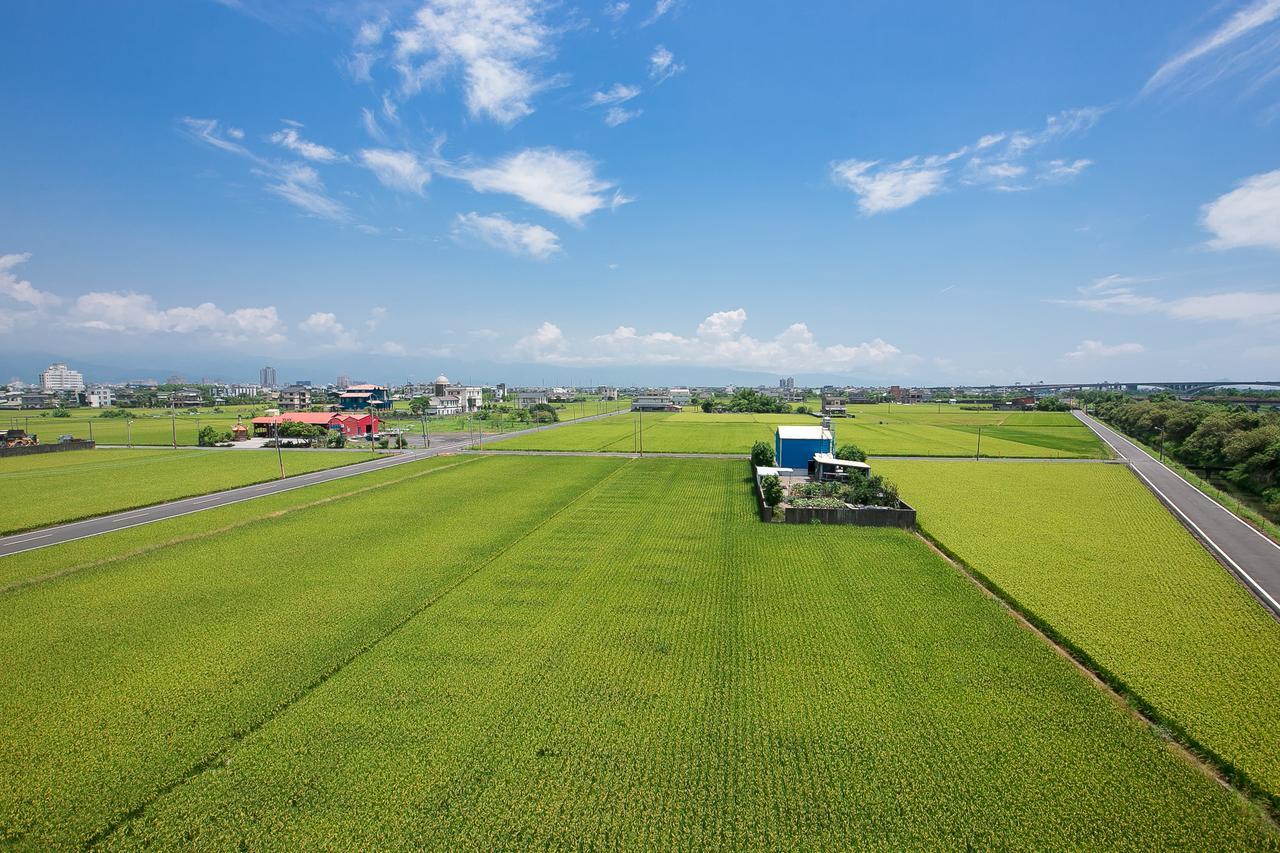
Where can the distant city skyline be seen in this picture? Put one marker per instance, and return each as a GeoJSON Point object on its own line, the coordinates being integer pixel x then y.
{"type": "Point", "coordinates": [517, 189]}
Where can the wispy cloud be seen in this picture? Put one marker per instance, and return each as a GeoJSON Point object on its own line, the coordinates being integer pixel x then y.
{"type": "Point", "coordinates": [398, 170]}
{"type": "Point", "coordinates": [516, 238]}
{"type": "Point", "coordinates": [617, 10]}
{"type": "Point", "coordinates": [620, 93]}
{"type": "Point", "coordinates": [660, 8]}
{"type": "Point", "coordinates": [1246, 42]}
{"type": "Point", "coordinates": [1002, 161]}
{"type": "Point", "coordinates": [1097, 349]}
{"type": "Point", "coordinates": [290, 139]}
{"type": "Point", "coordinates": [561, 182]}
{"type": "Point", "coordinates": [324, 326]}
{"type": "Point", "coordinates": [719, 340]}
{"type": "Point", "coordinates": [618, 115]}
{"type": "Point", "coordinates": [494, 44]}
{"type": "Point", "coordinates": [1248, 215]}
{"type": "Point", "coordinates": [1116, 294]}
{"type": "Point", "coordinates": [296, 183]}
{"type": "Point", "coordinates": [663, 65]}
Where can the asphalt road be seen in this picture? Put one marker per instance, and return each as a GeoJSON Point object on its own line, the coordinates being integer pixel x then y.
{"type": "Point", "coordinates": [1251, 556]}
{"type": "Point", "coordinates": [32, 539]}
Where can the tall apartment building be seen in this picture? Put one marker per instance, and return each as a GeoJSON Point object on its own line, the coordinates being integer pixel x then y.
{"type": "Point", "coordinates": [268, 377]}
{"type": "Point", "coordinates": [59, 377]}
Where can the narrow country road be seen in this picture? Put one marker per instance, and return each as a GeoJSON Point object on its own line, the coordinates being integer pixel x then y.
{"type": "Point", "coordinates": [44, 537]}
{"type": "Point", "coordinates": [1251, 556]}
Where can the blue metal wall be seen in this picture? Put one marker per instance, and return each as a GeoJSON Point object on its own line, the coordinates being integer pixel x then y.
{"type": "Point", "coordinates": [796, 452]}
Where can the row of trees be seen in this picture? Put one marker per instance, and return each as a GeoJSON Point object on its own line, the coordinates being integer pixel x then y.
{"type": "Point", "coordinates": [1243, 445]}
{"type": "Point", "coordinates": [747, 400]}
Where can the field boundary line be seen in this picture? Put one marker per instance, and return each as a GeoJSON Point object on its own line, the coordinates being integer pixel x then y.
{"type": "Point", "coordinates": [237, 737]}
{"type": "Point", "coordinates": [1165, 728]}
{"type": "Point", "coordinates": [125, 510]}
{"type": "Point", "coordinates": [195, 537]}
{"type": "Point", "coordinates": [1264, 597]}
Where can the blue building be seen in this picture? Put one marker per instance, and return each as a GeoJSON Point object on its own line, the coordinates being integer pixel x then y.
{"type": "Point", "coordinates": [794, 446]}
{"type": "Point", "coordinates": [358, 398]}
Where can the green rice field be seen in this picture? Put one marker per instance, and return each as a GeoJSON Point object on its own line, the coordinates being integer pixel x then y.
{"type": "Point", "coordinates": [557, 666]}
{"type": "Point", "coordinates": [52, 488]}
{"type": "Point", "coordinates": [879, 433]}
{"type": "Point", "coordinates": [1090, 551]}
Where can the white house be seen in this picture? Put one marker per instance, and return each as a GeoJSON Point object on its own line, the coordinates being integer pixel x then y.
{"type": "Point", "coordinates": [525, 399]}
{"type": "Point", "coordinates": [100, 397]}
{"type": "Point", "coordinates": [681, 396]}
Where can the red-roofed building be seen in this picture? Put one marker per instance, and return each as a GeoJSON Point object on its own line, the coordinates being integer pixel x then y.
{"type": "Point", "coordinates": [350, 423]}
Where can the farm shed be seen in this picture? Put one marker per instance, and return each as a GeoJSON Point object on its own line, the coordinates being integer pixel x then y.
{"type": "Point", "coordinates": [794, 446]}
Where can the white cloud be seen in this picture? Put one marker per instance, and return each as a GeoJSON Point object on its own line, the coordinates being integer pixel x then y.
{"type": "Point", "coordinates": [484, 334]}
{"type": "Point", "coordinates": [660, 8]}
{"type": "Point", "coordinates": [718, 341]}
{"type": "Point", "coordinates": [890, 187]}
{"type": "Point", "coordinates": [560, 182]}
{"type": "Point", "coordinates": [137, 313]}
{"type": "Point", "coordinates": [301, 186]}
{"type": "Point", "coordinates": [1249, 215]}
{"type": "Point", "coordinates": [1097, 349]}
{"type": "Point", "coordinates": [399, 170]}
{"type": "Point", "coordinates": [663, 65]}
{"type": "Point", "coordinates": [290, 139]}
{"type": "Point", "coordinates": [298, 184]}
{"type": "Point", "coordinates": [371, 127]}
{"type": "Point", "coordinates": [493, 42]}
{"type": "Point", "coordinates": [208, 131]}
{"type": "Point", "coordinates": [1211, 58]}
{"type": "Point", "coordinates": [617, 10]}
{"type": "Point", "coordinates": [544, 344]}
{"type": "Point", "coordinates": [1115, 295]}
{"type": "Point", "coordinates": [1064, 170]}
{"type": "Point", "coordinates": [995, 160]}
{"type": "Point", "coordinates": [517, 238]}
{"type": "Point", "coordinates": [619, 93]}
{"type": "Point", "coordinates": [21, 290]}
{"type": "Point", "coordinates": [618, 115]}
{"type": "Point", "coordinates": [325, 325]}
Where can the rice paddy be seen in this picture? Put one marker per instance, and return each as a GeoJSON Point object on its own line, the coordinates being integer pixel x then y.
{"type": "Point", "coordinates": [417, 658]}
{"type": "Point", "coordinates": [52, 488]}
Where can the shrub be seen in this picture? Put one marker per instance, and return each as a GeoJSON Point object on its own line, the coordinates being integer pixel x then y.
{"type": "Point", "coordinates": [771, 486]}
{"type": "Point", "coordinates": [851, 452]}
{"type": "Point", "coordinates": [61, 413]}
{"type": "Point", "coordinates": [211, 435]}
{"type": "Point", "coordinates": [762, 455]}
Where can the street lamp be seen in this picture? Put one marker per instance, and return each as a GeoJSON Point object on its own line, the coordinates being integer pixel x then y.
{"type": "Point", "coordinates": [1161, 431]}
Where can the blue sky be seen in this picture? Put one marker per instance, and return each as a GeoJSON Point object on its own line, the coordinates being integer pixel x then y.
{"type": "Point", "coordinates": [863, 192]}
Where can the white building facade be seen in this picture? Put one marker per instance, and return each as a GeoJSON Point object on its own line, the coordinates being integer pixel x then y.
{"type": "Point", "coordinates": [100, 397]}
{"type": "Point", "coordinates": [59, 377]}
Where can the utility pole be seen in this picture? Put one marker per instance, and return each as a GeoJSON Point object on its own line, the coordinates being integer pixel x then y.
{"type": "Point", "coordinates": [279, 452]}
{"type": "Point", "coordinates": [978, 453]}
{"type": "Point", "coordinates": [173, 427]}
{"type": "Point", "coordinates": [423, 417]}
{"type": "Point", "coordinates": [1161, 431]}
{"type": "Point", "coordinates": [128, 431]}
{"type": "Point", "coordinates": [641, 413]}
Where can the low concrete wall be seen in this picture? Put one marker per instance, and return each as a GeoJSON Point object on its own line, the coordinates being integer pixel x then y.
{"type": "Point", "coordinates": [74, 444]}
{"type": "Point", "coordinates": [904, 517]}
{"type": "Point", "coordinates": [862, 516]}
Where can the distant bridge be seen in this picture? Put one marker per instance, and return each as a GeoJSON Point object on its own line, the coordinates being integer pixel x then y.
{"type": "Point", "coordinates": [1185, 387]}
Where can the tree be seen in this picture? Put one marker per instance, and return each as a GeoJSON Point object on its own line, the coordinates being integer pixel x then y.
{"type": "Point", "coordinates": [1051, 404]}
{"type": "Point", "coordinates": [211, 436]}
{"type": "Point", "coordinates": [851, 452]}
{"type": "Point", "coordinates": [418, 405]}
{"type": "Point", "coordinates": [543, 413]}
{"type": "Point", "coordinates": [708, 405]}
{"type": "Point", "coordinates": [771, 486]}
{"type": "Point", "coordinates": [762, 455]}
